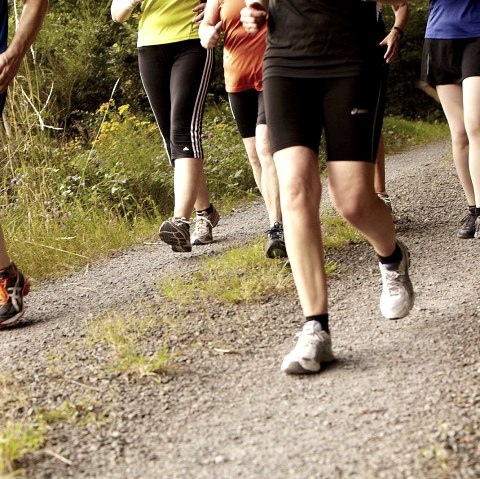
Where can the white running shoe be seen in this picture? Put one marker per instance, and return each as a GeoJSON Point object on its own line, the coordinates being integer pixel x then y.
{"type": "Point", "coordinates": [397, 295]}
{"type": "Point", "coordinates": [314, 346]}
{"type": "Point", "coordinates": [204, 224]}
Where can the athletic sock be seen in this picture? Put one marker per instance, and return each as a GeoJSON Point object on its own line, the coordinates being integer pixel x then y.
{"type": "Point", "coordinates": [206, 211]}
{"type": "Point", "coordinates": [393, 259]}
{"type": "Point", "coordinates": [320, 318]}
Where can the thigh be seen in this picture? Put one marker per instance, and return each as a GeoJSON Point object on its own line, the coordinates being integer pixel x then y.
{"type": "Point", "coordinates": [244, 106]}
{"type": "Point", "coordinates": [298, 172]}
{"type": "Point", "coordinates": [351, 106]}
{"type": "Point", "coordinates": [155, 63]}
{"type": "Point", "coordinates": [293, 112]}
{"type": "Point", "coordinates": [190, 78]}
{"type": "Point", "coordinates": [471, 104]}
{"type": "Point", "coordinates": [351, 182]}
{"type": "Point", "coordinates": [451, 99]}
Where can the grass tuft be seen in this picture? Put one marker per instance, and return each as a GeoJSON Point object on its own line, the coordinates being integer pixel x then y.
{"type": "Point", "coordinates": [125, 335]}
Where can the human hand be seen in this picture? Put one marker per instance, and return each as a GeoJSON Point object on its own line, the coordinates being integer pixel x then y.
{"type": "Point", "coordinates": [253, 16]}
{"type": "Point", "coordinates": [199, 10]}
{"type": "Point", "coordinates": [392, 42]}
{"type": "Point", "coordinates": [9, 66]}
{"type": "Point", "coordinates": [209, 34]}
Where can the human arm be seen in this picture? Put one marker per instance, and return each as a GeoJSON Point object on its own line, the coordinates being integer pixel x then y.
{"type": "Point", "coordinates": [211, 26]}
{"type": "Point", "coordinates": [392, 40]}
{"type": "Point", "coordinates": [254, 15]}
{"type": "Point", "coordinates": [121, 10]}
{"type": "Point", "coordinates": [31, 20]}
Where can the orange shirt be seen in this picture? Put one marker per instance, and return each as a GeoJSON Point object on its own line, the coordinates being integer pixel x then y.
{"type": "Point", "coordinates": [242, 53]}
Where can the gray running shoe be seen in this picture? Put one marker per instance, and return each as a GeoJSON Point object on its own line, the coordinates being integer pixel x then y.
{"type": "Point", "coordinates": [275, 247]}
{"type": "Point", "coordinates": [468, 225]}
{"type": "Point", "coordinates": [204, 224]}
{"type": "Point", "coordinates": [397, 295]}
{"type": "Point", "coordinates": [314, 346]}
{"type": "Point", "coordinates": [176, 233]}
{"type": "Point", "coordinates": [477, 228]}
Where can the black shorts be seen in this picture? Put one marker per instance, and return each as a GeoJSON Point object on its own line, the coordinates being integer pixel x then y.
{"type": "Point", "coordinates": [248, 111]}
{"type": "Point", "coordinates": [445, 62]}
{"type": "Point", "coordinates": [348, 109]}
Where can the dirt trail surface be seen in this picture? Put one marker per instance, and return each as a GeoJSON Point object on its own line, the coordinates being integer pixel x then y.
{"type": "Point", "coordinates": [401, 401]}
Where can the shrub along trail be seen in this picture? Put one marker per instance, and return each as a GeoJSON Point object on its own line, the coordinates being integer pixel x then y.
{"type": "Point", "coordinates": [401, 401]}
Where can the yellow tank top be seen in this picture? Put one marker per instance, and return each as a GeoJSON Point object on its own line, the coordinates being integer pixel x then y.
{"type": "Point", "coordinates": [167, 21]}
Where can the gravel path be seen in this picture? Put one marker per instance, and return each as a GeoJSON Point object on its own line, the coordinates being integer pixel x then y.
{"type": "Point", "coordinates": [401, 401]}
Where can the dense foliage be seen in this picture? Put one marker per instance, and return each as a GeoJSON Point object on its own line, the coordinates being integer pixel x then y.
{"type": "Point", "coordinates": [82, 53]}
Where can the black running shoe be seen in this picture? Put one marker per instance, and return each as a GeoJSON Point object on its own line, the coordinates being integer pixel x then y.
{"type": "Point", "coordinates": [467, 229]}
{"type": "Point", "coordinates": [176, 233]}
{"type": "Point", "coordinates": [13, 287]}
{"type": "Point", "coordinates": [275, 242]}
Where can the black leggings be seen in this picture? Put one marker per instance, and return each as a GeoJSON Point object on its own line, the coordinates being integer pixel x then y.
{"type": "Point", "coordinates": [176, 78]}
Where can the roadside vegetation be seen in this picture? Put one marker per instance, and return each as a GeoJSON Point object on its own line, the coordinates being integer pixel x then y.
{"type": "Point", "coordinates": [71, 202]}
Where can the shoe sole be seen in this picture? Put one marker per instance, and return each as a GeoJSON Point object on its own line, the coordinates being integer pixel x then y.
{"type": "Point", "coordinates": [276, 252]}
{"type": "Point", "coordinates": [467, 235]}
{"type": "Point", "coordinates": [175, 239]}
{"type": "Point", "coordinates": [302, 367]}
{"type": "Point", "coordinates": [199, 242]}
{"type": "Point", "coordinates": [276, 249]}
{"type": "Point", "coordinates": [13, 319]}
{"type": "Point", "coordinates": [305, 366]}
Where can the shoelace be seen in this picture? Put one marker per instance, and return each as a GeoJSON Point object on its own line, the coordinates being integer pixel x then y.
{"type": "Point", "coordinates": [180, 221]}
{"type": "Point", "coordinates": [202, 224]}
{"type": "Point", "coordinates": [393, 280]}
{"type": "Point", "coordinates": [275, 234]}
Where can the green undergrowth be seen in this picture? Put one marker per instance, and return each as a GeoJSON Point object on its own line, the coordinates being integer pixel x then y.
{"type": "Point", "coordinates": [245, 274]}
{"type": "Point", "coordinates": [70, 202]}
{"type": "Point", "coordinates": [401, 134]}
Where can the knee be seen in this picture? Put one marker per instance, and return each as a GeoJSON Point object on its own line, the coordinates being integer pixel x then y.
{"type": "Point", "coordinates": [297, 195]}
{"type": "Point", "coordinates": [459, 138]}
{"type": "Point", "coordinates": [472, 129]}
{"type": "Point", "coordinates": [254, 160]}
{"type": "Point", "coordinates": [352, 209]}
{"type": "Point", "coordinates": [263, 149]}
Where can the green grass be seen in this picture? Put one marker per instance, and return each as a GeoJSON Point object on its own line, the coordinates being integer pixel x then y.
{"type": "Point", "coordinates": [400, 134]}
{"type": "Point", "coordinates": [245, 274]}
{"type": "Point", "coordinates": [125, 334]}
{"type": "Point", "coordinates": [17, 438]}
